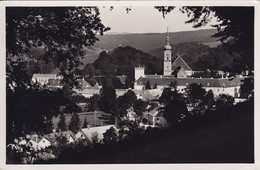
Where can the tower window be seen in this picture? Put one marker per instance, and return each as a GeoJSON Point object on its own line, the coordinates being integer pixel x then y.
{"type": "Point", "coordinates": [167, 58]}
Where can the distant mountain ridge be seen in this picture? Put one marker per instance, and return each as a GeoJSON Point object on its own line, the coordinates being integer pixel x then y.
{"type": "Point", "coordinates": [149, 41]}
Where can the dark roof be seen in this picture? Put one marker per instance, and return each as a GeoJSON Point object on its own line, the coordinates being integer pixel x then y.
{"type": "Point", "coordinates": [122, 79]}
{"type": "Point", "coordinates": [205, 82]}
{"type": "Point", "coordinates": [180, 62]}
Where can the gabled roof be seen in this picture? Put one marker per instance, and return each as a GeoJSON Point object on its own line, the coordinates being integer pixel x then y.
{"type": "Point", "coordinates": [179, 62]}
{"type": "Point", "coordinates": [145, 94]}
{"type": "Point", "coordinates": [205, 82]}
{"type": "Point", "coordinates": [70, 133]}
{"type": "Point", "coordinates": [36, 138]}
{"type": "Point", "coordinates": [89, 132]}
{"type": "Point", "coordinates": [83, 83]}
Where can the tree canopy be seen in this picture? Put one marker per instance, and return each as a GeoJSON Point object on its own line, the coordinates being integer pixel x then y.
{"type": "Point", "coordinates": [235, 27]}
{"type": "Point", "coordinates": [61, 31]}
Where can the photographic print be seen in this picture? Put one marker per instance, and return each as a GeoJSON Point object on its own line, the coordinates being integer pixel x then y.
{"type": "Point", "coordinates": [122, 84]}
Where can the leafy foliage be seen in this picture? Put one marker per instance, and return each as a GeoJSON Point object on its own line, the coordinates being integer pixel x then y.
{"type": "Point", "coordinates": [110, 136]}
{"type": "Point", "coordinates": [62, 123]}
{"type": "Point", "coordinates": [85, 123]}
{"type": "Point", "coordinates": [74, 124]}
{"type": "Point", "coordinates": [147, 85]}
{"type": "Point", "coordinates": [174, 108]}
{"type": "Point", "coordinates": [122, 60]}
{"type": "Point", "coordinates": [195, 92]}
{"type": "Point", "coordinates": [61, 31]}
{"type": "Point", "coordinates": [107, 95]}
{"type": "Point", "coordinates": [235, 28]}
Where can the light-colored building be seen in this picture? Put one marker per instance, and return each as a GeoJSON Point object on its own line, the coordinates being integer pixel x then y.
{"type": "Point", "coordinates": [156, 118]}
{"type": "Point", "coordinates": [93, 132]}
{"type": "Point", "coordinates": [39, 142]}
{"type": "Point", "coordinates": [43, 79]}
{"type": "Point", "coordinates": [218, 86]}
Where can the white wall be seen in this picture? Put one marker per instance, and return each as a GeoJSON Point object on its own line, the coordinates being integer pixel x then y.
{"type": "Point", "coordinates": [139, 72]}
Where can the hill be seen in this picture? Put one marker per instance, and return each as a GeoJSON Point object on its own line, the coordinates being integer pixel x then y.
{"type": "Point", "coordinates": [149, 41]}
{"type": "Point", "coordinates": [144, 42]}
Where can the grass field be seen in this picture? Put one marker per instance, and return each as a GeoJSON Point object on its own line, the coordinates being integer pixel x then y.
{"type": "Point", "coordinates": [92, 119]}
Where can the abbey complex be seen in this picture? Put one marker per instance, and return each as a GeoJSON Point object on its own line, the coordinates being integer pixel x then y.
{"type": "Point", "coordinates": [180, 74]}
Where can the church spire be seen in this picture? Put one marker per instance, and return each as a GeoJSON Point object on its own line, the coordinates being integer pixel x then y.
{"type": "Point", "coordinates": [167, 46]}
{"type": "Point", "coordinates": [167, 37]}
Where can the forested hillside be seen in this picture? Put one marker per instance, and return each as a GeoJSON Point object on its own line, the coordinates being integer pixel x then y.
{"type": "Point", "coordinates": [121, 61]}
{"type": "Point", "coordinates": [201, 57]}
{"type": "Point", "coordinates": [149, 41]}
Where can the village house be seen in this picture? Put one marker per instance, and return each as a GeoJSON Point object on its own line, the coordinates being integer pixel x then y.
{"type": "Point", "coordinates": [39, 142]}
{"type": "Point", "coordinates": [156, 118]}
{"type": "Point", "coordinates": [90, 133]}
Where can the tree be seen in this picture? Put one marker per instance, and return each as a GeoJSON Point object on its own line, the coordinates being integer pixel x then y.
{"type": "Point", "coordinates": [107, 95]}
{"type": "Point", "coordinates": [26, 110]}
{"type": "Point", "coordinates": [166, 96]}
{"type": "Point", "coordinates": [85, 123]}
{"type": "Point", "coordinates": [62, 123]}
{"type": "Point", "coordinates": [247, 88]}
{"type": "Point", "coordinates": [174, 108]}
{"type": "Point", "coordinates": [123, 103]}
{"type": "Point", "coordinates": [147, 86]}
{"type": "Point", "coordinates": [195, 92]}
{"type": "Point", "coordinates": [59, 35]}
{"type": "Point", "coordinates": [173, 84]}
{"type": "Point", "coordinates": [110, 136]}
{"type": "Point", "coordinates": [61, 31]}
{"type": "Point", "coordinates": [235, 28]}
{"type": "Point", "coordinates": [154, 86]}
{"type": "Point", "coordinates": [74, 124]}
{"type": "Point", "coordinates": [47, 124]}
{"type": "Point", "coordinates": [224, 105]}
{"type": "Point", "coordinates": [93, 102]}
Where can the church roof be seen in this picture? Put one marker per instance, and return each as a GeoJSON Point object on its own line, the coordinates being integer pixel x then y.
{"type": "Point", "coordinates": [180, 62]}
{"type": "Point", "coordinates": [205, 82]}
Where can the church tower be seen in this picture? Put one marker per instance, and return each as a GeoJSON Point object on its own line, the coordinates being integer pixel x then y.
{"type": "Point", "coordinates": [167, 58]}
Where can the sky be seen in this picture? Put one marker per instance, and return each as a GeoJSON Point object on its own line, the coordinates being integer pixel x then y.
{"type": "Point", "coordinates": [144, 19]}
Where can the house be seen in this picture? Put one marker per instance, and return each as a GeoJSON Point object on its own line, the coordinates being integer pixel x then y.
{"type": "Point", "coordinates": [82, 84]}
{"type": "Point", "coordinates": [93, 132]}
{"type": "Point", "coordinates": [38, 142]}
{"type": "Point", "coordinates": [43, 79]}
{"type": "Point", "coordinates": [71, 138]}
{"type": "Point", "coordinates": [131, 115]}
{"type": "Point", "coordinates": [155, 118]}
{"type": "Point", "coordinates": [88, 92]}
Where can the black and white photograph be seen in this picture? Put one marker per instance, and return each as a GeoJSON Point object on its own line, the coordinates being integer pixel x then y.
{"type": "Point", "coordinates": [129, 84]}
